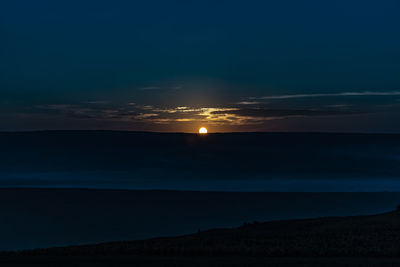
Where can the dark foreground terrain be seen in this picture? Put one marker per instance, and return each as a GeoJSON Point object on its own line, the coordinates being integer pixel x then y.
{"type": "Point", "coordinates": [353, 236]}
{"type": "Point", "coordinates": [40, 218]}
{"type": "Point", "coordinates": [215, 261]}
{"type": "Point", "coordinates": [372, 240]}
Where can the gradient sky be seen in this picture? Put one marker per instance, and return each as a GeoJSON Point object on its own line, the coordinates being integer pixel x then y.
{"type": "Point", "coordinates": [177, 65]}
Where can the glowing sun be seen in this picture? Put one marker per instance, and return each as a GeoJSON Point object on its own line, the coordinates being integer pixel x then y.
{"type": "Point", "coordinates": [202, 130]}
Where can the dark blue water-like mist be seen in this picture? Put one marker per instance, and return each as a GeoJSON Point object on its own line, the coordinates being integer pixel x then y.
{"type": "Point", "coordinates": [216, 162]}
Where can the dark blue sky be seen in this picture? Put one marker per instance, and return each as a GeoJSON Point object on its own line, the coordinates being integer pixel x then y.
{"type": "Point", "coordinates": [175, 65]}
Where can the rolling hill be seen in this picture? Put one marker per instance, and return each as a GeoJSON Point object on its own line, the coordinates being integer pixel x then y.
{"type": "Point", "coordinates": [353, 236]}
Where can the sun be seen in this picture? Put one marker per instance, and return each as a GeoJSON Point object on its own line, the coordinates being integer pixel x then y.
{"type": "Point", "coordinates": [202, 130]}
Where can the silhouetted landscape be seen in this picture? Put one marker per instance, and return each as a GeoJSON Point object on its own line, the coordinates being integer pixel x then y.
{"type": "Point", "coordinates": [343, 240]}
{"type": "Point", "coordinates": [353, 236]}
{"type": "Point", "coordinates": [199, 133]}
{"type": "Point", "coordinates": [40, 218]}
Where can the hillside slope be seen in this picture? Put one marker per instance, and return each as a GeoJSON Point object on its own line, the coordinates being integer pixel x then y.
{"type": "Point", "coordinates": [356, 236]}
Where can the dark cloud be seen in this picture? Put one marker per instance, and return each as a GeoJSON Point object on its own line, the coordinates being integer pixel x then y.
{"type": "Point", "coordinates": [261, 112]}
{"type": "Point", "coordinates": [233, 116]}
{"type": "Point", "coordinates": [338, 94]}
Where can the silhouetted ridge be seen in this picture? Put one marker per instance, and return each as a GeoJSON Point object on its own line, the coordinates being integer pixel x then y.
{"type": "Point", "coordinates": [373, 235]}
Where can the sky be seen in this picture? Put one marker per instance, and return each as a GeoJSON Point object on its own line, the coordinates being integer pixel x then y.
{"type": "Point", "coordinates": [173, 66]}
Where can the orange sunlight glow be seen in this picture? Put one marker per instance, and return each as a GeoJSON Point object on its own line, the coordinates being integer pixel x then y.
{"type": "Point", "coordinates": [202, 130]}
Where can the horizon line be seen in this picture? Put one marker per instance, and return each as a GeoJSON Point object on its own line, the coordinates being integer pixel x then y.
{"type": "Point", "coordinates": [196, 133]}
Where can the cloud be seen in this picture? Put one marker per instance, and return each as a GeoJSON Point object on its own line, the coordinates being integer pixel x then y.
{"type": "Point", "coordinates": [265, 113]}
{"type": "Point", "coordinates": [248, 116]}
{"type": "Point", "coordinates": [248, 103]}
{"type": "Point", "coordinates": [146, 116]}
{"type": "Point", "coordinates": [365, 93]}
{"type": "Point", "coordinates": [233, 115]}
{"type": "Point", "coordinates": [145, 107]}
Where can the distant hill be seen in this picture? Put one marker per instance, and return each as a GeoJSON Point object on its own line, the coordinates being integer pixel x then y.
{"type": "Point", "coordinates": [355, 236]}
